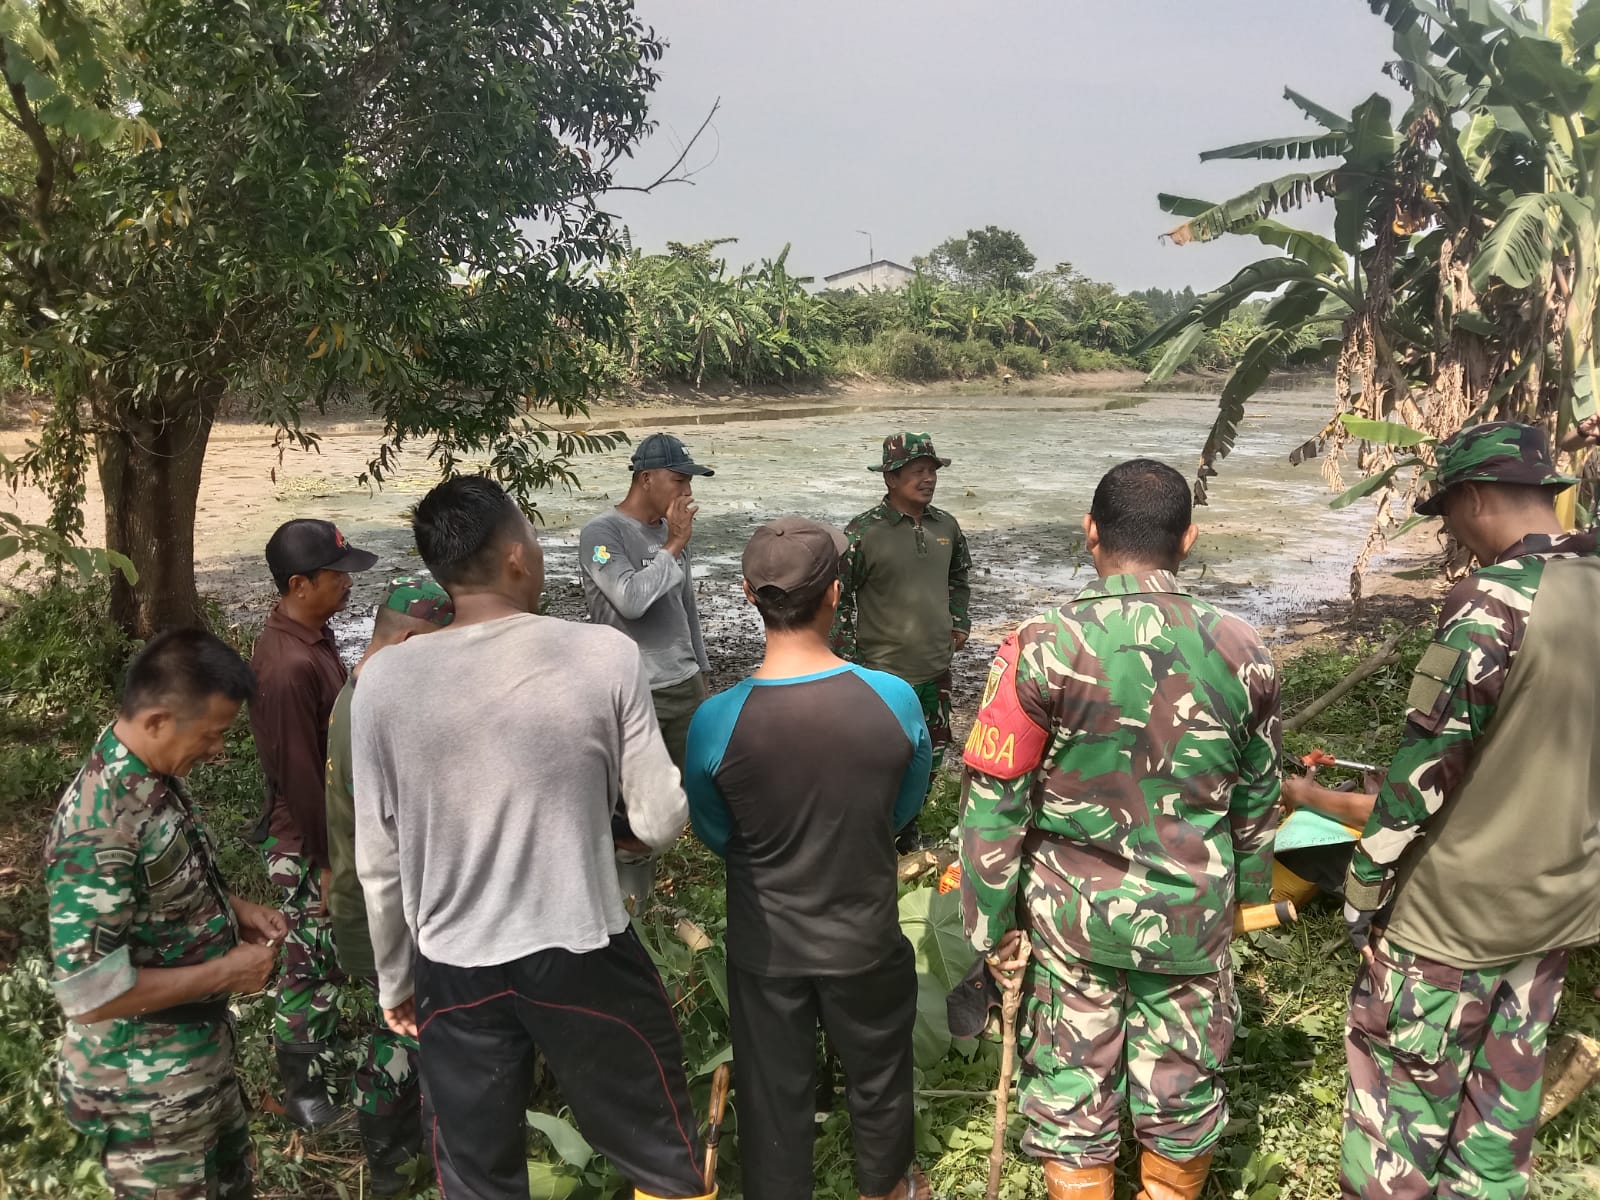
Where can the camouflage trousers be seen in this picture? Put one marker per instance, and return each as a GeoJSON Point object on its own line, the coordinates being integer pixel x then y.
{"type": "Point", "coordinates": [162, 1106]}
{"type": "Point", "coordinates": [1445, 1074]}
{"type": "Point", "coordinates": [309, 974]}
{"type": "Point", "coordinates": [385, 1080]}
{"type": "Point", "coordinates": [935, 698]}
{"type": "Point", "coordinates": [1090, 1034]}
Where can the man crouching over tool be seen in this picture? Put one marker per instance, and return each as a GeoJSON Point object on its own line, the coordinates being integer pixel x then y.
{"type": "Point", "coordinates": [1123, 776]}
{"type": "Point", "coordinates": [483, 817]}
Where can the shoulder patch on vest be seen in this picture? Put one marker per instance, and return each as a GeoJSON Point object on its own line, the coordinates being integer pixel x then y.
{"type": "Point", "coordinates": [1004, 742]}
{"type": "Point", "coordinates": [1438, 673]}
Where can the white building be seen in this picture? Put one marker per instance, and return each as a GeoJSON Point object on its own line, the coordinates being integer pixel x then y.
{"type": "Point", "coordinates": [880, 276]}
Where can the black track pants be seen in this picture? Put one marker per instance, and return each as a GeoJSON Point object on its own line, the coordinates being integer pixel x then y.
{"type": "Point", "coordinates": [868, 1019]}
{"type": "Point", "coordinates": [604, 1026]}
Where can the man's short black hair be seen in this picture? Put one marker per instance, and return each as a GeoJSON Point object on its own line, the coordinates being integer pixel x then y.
{"type": "Point", "coordinates": [181, 670]}
{"type": "Point", "coordinates": [1143, 508]}
{"type": "Point", "coordinates": [457, 526]}
{"type": "Point", "coordinates": [781, 614]}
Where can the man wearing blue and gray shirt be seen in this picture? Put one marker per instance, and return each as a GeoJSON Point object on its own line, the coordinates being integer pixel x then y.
{"type": "Point", "coordinates": [634, 561]}
{"type": "Point", "coordinates": [799, 777]}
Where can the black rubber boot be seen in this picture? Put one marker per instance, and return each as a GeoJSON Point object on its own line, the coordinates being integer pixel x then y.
{"type": "Point", "coordinates": [305, 1090]}
{"type": "Point", "coordinates": [391, 1141]}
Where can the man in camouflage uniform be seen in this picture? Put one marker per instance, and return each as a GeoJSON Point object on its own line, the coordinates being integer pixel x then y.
{"type": "Point", "coordinates": [1478, 868]}
{"type": "Point", "coordinates": [903, 608]}
{"type": "Point", "coordinates": [386, 1097]}
{"type": "Point", "coordinates": [145, 940]}
{"type": "Point", "coordinates": [1121, 796]}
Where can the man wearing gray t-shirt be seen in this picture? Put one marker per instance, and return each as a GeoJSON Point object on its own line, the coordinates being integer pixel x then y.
{"type": "Point", "coordinates": [634, 560]}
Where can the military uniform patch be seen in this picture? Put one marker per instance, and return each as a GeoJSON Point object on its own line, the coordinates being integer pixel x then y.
{"type": "Point", "coordinates": [1437, 675]}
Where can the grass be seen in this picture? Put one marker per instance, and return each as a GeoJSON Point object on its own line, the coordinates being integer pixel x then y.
{"type": "Point", "coordinates": [59, 665]}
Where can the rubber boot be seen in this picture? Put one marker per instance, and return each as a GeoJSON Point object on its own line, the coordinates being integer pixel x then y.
{"type": "Point", "coordinates": [391, 1140]}
{"type": "Point", "coordinates": [1163, 1179]}
{"type": "Point", "coordinates": [305, 1091]}
{"type": "Point", "coordinates": [1079, 1183]}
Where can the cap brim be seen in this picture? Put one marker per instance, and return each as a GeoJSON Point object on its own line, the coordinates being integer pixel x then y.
{"type": "Point", "coordinates": [353, 560]}
{"type": "Point", "coordinates": [693, 469]}
{"type": "Point", "coordinates": [1433, 506]}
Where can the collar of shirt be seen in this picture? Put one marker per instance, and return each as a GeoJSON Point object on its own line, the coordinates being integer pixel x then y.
{"type": "Point", "coordinates": [1133, 583]}
{"type": "Point", "coordinates": [894, 516]}
{"type": "Point", "coordinates": [277, 620]}
{"type": "Point", "coordinates": [1582, 541]}
{"type": "Point", "coordinates": [119, 756]}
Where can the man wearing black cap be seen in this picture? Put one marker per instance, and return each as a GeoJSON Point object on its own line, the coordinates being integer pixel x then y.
{"type": "Point", "coordinates": [813, 932]}
{"type": "Point", "coordinates": [299, 676]}
{"type": "Point", "coordinates": [637, 577]}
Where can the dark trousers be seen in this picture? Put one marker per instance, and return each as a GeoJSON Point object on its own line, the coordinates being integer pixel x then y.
{"type": "Point", "coordinates": [868, 1019]}
{"type": "Point", "coordinates": [605, 1028]}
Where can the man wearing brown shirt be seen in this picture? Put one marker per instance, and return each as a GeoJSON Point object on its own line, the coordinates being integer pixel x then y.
{"type": "Point", "coordinates": [299, 676]}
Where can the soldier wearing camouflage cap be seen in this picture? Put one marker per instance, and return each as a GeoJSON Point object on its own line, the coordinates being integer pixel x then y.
{"type": "Point", "coordinates": [1120, 801]}
{"type": "Point", "coordinates": [384, 1086]}
{"type": "Point", "coordinates": [904, 605]}
{"type": "Point", "coordinates": [146, 942]}
{"type": "Point", "coordinates": [1477, 871]}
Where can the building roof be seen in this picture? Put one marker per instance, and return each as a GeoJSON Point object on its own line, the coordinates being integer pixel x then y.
{"type": "Point", "coordinates": [882, 262]}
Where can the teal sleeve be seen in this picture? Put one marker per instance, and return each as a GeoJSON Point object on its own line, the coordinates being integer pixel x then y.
{"type": "Point", "coordinates": [907, 709]}
{"type": "Point", "coordinates": [708, 740]}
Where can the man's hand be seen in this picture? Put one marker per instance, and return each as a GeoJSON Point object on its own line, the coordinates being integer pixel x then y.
{"type": "Point", "coordinates": [1004, 961]}
{"type": "Point", "coordinates": [259, 924]}
{"type": "Point", "coordinates": [1295, 789]}
{"type": "Point", "coordinates": [402, 1018]}
{"type": "Point", "coordinates": [958, 639]}
{"type": "Point", "coordinates": [324, 886]}
{"type": "Point", "coordinates": [680, 523]}
{"type": "Point", "coordinates": [249, 966]}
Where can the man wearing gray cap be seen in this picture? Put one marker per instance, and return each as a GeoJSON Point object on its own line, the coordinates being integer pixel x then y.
{"type": "Point", "coordinates": [637, 577]}
{"type": "Point", "coordinates": [813, 933]}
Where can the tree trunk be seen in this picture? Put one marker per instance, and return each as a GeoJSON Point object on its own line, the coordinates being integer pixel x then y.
{"type": "Point", "coordinates": [150, 474]}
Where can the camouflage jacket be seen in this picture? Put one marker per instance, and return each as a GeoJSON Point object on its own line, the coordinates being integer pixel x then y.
{"type": "Point", "coordinates": [905, 589]}
{"type": "Point", "coordinates": [1460, 677]}
{"type": "Point", "coordinates": [1124, 768]}
{"type": "Point", "coordinates": [132, 880]}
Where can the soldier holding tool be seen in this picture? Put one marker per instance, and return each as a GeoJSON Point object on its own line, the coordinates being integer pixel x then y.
{"type": "Point", "coordinates": [1122, 790]}
{"type": "Point", "coordinates": [1478, 870]}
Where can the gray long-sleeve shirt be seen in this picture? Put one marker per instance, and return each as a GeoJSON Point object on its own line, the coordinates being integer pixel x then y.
{"type": "Point", "coordinates": [488, 760]}
{"type": "Point", "coordinates": [634, 585]}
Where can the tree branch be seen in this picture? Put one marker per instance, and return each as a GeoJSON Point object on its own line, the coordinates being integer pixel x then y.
{"type": "Point", "coordinates": [670, 175]}
{"type": "Point", "coordinates": [45, 180]}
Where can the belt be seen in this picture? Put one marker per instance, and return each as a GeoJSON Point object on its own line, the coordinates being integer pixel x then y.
{"type": "Point", "coordinates": [201, 1012]}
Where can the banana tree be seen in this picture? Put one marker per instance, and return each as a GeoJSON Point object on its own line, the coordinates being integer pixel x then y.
{"type": "Point", "coordinates": [1465, 263]}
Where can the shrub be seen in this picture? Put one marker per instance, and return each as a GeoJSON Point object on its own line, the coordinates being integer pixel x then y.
{"type": "Point", "coordinates": [914, 356]}
{"type": "Point", "coordinates": [1026, 361]}
{"type": "Point", "coordinates": [1070, 356]}
{"type": "Point", "coordinates": [972, 359]}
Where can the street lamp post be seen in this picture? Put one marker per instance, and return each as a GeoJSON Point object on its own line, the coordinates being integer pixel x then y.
{"type": "Point", "coordinates": [871, 258]}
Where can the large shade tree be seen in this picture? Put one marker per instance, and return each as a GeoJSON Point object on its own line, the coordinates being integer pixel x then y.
{"type": "Point", "coordinates": [286, 204]}
{"type": "Point", "coordinates": [1461, 281]}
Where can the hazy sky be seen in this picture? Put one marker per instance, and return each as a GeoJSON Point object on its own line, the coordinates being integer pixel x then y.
{"type": "Point", "coordinates": [915, 119]}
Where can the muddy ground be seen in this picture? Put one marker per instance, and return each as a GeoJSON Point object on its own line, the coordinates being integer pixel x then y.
{"type": "Point", "coordinates": [1023, 471]}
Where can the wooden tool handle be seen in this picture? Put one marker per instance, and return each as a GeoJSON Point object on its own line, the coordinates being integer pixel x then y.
{"type": "Point", "coordinates": [721, 1081]}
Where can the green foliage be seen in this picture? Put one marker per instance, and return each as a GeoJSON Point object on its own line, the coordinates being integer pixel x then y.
{"type": "Point", "coordinates": [987, 258]}
{"type": "Point", "coordinates": [1026, 361]}
{"type": "Point", "coordinates": [314, 203]}
{"type": "Point", "coordinates": [1463, 281]}
{"type": "Point", "coordinates": [914, 356]}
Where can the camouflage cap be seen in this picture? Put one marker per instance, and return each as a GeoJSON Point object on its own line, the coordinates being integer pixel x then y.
{"type": "Point", "coordinates": [1494, 452]}
{"type": "Point", "coordinates": [901, 448]}
{"type": "Point", "coordinates": [421, 598]}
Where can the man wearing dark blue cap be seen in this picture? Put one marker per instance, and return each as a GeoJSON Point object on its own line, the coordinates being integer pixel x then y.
{"type": "Point", "coordinates": [634, 560]}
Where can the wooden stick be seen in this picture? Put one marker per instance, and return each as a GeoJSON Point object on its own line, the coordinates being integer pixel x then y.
{"type": "Point", "coordinates": [1572, 1064]}
{"type": "Point", "coordinates": [1383, 656]}
{"type": "Point", "coordinates": [1010, 1001]}
{"type": "Point", "coordinates": [720, 1081]}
